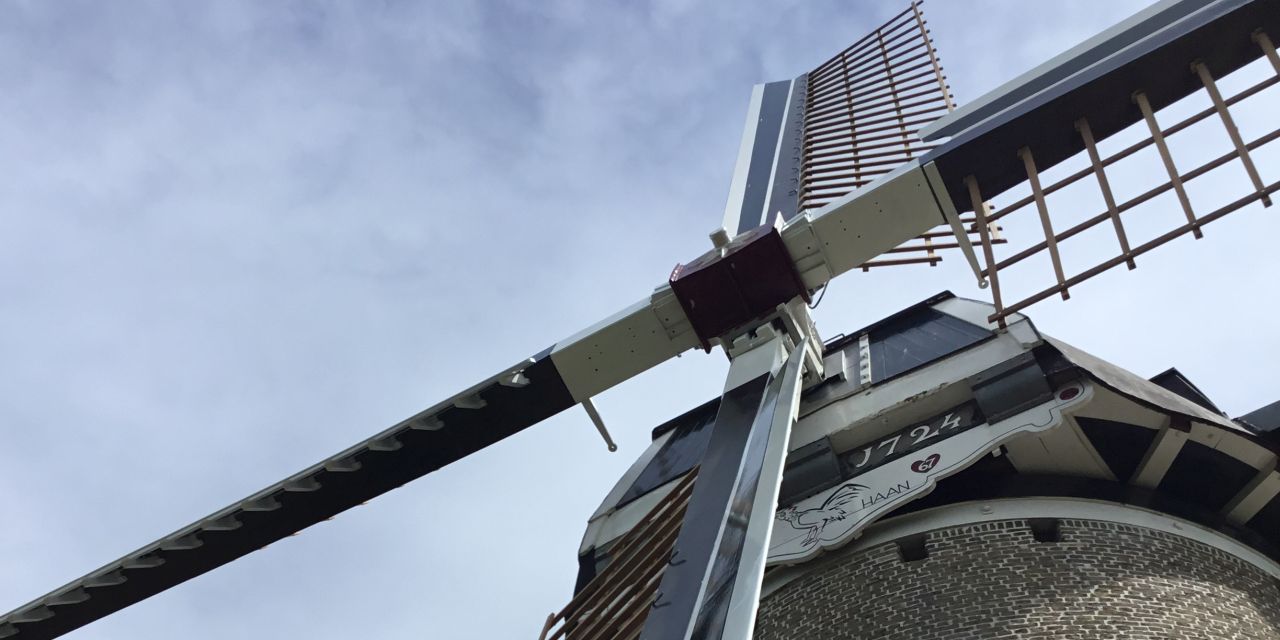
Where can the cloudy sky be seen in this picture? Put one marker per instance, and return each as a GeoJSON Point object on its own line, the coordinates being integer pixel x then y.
{"type": "Point", "coordinates": [237, 237]}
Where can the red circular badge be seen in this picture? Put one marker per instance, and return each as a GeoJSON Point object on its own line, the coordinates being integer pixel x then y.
{"type": "Point", "coordinates": [925, 465]}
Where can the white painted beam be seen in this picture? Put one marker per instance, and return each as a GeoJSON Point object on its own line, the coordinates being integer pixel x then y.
{"type": "Point", "coordinates": [867, 222]}
{"type": "Point", "coordinates": [1254, 496]}
{"type": "Point", "coordinates": [1160, 454]}
{"type": "Point", "coordinates": [624, 345]}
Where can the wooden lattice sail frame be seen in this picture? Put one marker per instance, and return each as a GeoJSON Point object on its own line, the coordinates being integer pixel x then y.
{"type": "Point", "coordinates": [614, 604]}
{"type": "Point", "coordinates": [863, 109]}
{"type": "Point", "coordinates": [864, 106]}
{"type": "Point", "coordinates": [1177, 179]}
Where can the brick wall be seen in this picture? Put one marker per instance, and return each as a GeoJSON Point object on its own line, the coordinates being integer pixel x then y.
{"type": "Point", "coordinates": [995, 580]}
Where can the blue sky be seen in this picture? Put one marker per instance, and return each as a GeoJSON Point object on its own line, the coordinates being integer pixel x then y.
{"type": "Point", "coordinates": [237, 237]}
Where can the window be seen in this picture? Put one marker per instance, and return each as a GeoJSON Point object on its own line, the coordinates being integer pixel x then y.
{"type": "Point", "coordinates": [681, 453]}
{"type": "Point", "coordinates": [916, 339]}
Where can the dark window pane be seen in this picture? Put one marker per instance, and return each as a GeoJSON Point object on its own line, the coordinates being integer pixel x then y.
{"type": "Point", "coordinates": [680, 454]}
{"type": "Point", "coordinates": [917, 339]}
{"type": "Point", "coordinates": [1206, 477]}
{"type": "Point", "coordinates": [1122, 446]}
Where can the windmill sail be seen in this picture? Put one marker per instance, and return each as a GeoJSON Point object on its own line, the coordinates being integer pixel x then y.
{"type": "Point", "coordinates": [1183, 48]}
{"type": "Point", "coordinates": [1066, 119]}
{"type": "Point", "coordinates": [516, 398]}
{"type": "Point", "coordinates": [864, 106]}
{"type": "Point", "coordinates": [816, 138]}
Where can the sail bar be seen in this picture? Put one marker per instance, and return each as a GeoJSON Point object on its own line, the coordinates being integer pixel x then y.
{"type": "Point", "coordinates": [764, 178]}
{"type": "Point", "coordinates": [711, 589]}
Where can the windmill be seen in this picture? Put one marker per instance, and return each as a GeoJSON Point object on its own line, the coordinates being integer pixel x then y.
{"type": "Point", "coordinates": [746, 296]}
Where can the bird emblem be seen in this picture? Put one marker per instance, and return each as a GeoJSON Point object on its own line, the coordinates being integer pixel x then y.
{"type": "Point", "coordinates": [844, 501]}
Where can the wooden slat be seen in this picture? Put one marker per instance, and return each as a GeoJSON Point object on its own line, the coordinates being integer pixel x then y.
{"type": "Point", "coordinates": [829, 158]}
{"type": "Point", "coordinates": [1136, 200]}
{"type": "Point", "coordinates": [893, 91]}
{"type": "Point", "coordinates": [629, 627]}
{"type": "Point", "coordinates": [899, 118]}
{"type": "Point", "coordinates": [1139, 250]}
{"type": "Point", "coordinates": [551, 622]}
{"type": "Point", "coordinates": [912, 59]}
{"type": "Point", "coordinates": [862, 43]}
{"type": "Point", "coordinates": [908, 101]}
{"type": "Point", "coordinates": [853, 130]}
{"type": "Point", "coordinates": [1229, 123]}
{"type": "Point", "coordinates": [933, 57]}
{"type": "Point", "coordinates": [895, 37]}
{"type": "Point", "coordinates": [865, 138]}
{"type": "Point", "coordinates": [645, 531]}
{"type": "Point", "coordinates": [836, 109]}
{"type": "Point", "coordinates": [1082, 125]}
{"type": "Point", "coordinates": [1050, 239]}
{"type": "Point", "coordinates": [820, 108]}
{"type": "Point", "coordinates": [625, 588]}
{"type": "Point", "coordinates": [1268, 48]}
{"type": "Point", "coordinates": [865, 86]}
{"type": "Point", "coordinates": [1136, 147]}
{"type": "Point", "coordinates": [863, 110]}
{"type": "Point", "coordinates": [819, 175]}
{"type": "Point", "coordinates": [1158, 138]}
{"type": "Point", "coordinates": [868, 86]}
{"type": "Point", "coordinates": [897, 262]}
{"type": "Point", "coordinates": [930, 246]}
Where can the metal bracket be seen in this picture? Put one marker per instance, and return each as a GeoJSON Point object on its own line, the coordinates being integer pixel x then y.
{"type": "Point", "coordinates": [798, 322]}
{"type": "Point", "coordinates": [599, 423]}
{"type": "Point", "coordinates": [794, 322]}
{"type": "Point", "coordinates": [949, 212]}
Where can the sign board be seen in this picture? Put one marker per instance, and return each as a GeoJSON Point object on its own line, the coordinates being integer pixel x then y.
{"type": "Point", "coordinates": [901, 467]}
